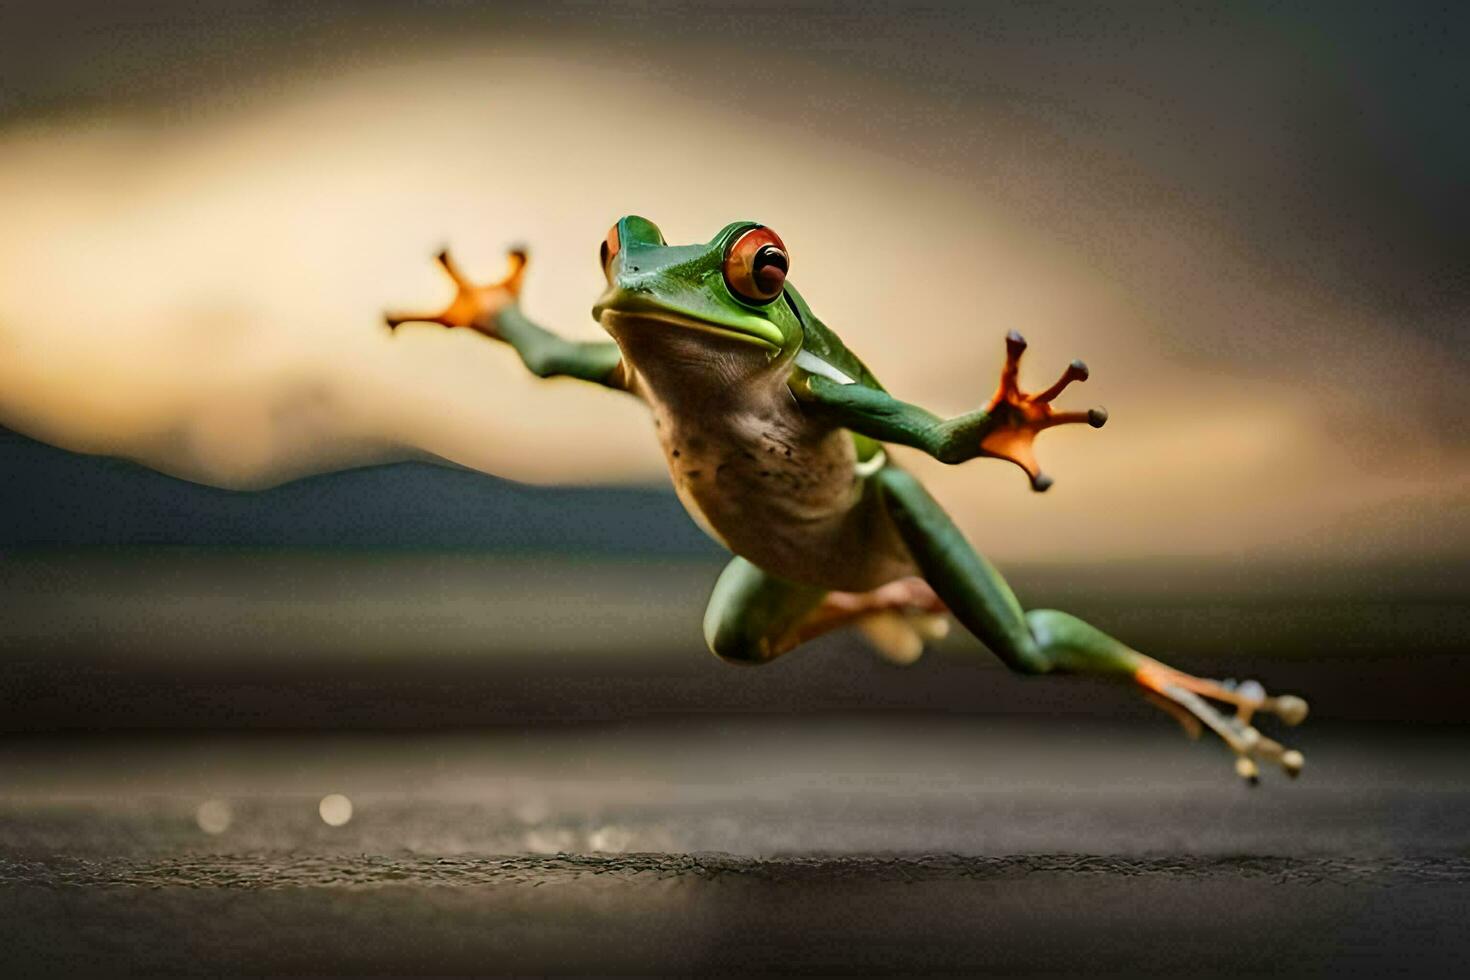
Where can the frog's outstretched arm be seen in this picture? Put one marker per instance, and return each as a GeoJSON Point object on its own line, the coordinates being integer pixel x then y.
{"type": "Point", "coordinates": [1004, 429]}
{"type": "Point", "coordinates": [494, 311]}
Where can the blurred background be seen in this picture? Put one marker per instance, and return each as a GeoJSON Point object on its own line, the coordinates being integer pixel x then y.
{"type": "Point", "coordinates": [1249, 221]}
{"type": "Point", "coordinates": [293, 605]}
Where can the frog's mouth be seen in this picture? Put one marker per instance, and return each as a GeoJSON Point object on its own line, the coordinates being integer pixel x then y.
{"type": "Point", "coordinates": [622, 307]}
{"type": "Point", "coordinates": [616, 318]}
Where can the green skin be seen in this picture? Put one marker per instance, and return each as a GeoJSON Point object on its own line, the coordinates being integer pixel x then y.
{"type": "Point", "coordinates": [774, 434]}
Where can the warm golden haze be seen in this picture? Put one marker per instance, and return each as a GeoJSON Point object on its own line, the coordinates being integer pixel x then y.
{"type": "Point", "coordinates": [207, 299]}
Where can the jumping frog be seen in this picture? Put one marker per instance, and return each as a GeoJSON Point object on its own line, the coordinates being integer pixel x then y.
{"type": "Point", "coordinates": [774, 434]}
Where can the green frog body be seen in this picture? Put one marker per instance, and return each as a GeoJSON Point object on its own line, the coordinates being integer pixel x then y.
{"type": "Point", "coordinates": [774, 434]}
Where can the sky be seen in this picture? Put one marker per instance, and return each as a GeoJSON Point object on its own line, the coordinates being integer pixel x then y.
{"type": "Point", "coordinates": [1249, 221]}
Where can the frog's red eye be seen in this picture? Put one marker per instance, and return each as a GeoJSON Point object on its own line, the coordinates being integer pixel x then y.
{"type": "Point", "coordinates": [756, 265]}
{"type": "Point", "coordinates": [610, 246]}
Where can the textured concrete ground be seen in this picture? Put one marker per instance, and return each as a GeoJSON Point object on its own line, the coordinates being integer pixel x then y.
{"type": "Point", "coordinates": [958, 845]}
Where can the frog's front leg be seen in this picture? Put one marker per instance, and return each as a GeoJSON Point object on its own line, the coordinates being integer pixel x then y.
{"type": "Point", "coordinates": [494, 310]}
{"type": "Point", "coordinates": [753, 617]}
{"type": "Point", "coordinates": [1005, 428]}
{"type": "Point", "coordinates": [1045, 640]}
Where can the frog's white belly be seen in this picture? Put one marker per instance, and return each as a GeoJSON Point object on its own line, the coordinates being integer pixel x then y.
{"type": "Point", "coordinates": [781, 492]}
{"type": "Point", "coordinates": [773, 485]}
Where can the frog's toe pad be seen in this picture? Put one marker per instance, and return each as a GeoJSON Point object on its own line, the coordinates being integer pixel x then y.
{"type": "Point", "coordinates": [1188, 693]}
{"type": "Point", "coordinates": [1018, 416]}
{"type": "Point", "coordinates": [896, 639]}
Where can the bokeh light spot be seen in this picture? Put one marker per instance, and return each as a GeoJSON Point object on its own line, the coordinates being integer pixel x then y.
{"type": "Point", "coordinates": [610, 839]}
{"type": "Point", "coordinates": [335, 810]}
{"type": "Point", "coordinates": [214, 817]}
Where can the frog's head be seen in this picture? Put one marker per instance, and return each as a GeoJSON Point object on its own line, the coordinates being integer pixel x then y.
{"type": "Point", "coordinates": [732, 288]}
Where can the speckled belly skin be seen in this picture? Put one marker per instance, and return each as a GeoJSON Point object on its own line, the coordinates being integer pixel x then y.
{"type": "Point", "coordinates": [762, 477]}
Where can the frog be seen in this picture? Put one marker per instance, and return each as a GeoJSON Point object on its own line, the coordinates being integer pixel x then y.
{"type": "Point", "coordinates": [777, 440]}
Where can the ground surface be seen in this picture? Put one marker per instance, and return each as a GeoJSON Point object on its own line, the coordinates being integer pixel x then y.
{"type": "Point", "coordinates": [960, 845]}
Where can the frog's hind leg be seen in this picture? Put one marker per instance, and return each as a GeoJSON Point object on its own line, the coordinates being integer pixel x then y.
{"type": "Point", "coordinates": [754, 617]}
{"type": "Point", "coordinates": [1045, 640]}
{"type": "Point", "coordinates": [897, 618]}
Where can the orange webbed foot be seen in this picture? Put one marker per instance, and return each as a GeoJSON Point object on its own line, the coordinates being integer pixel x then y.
{"type": "Point", "coordinates": [473, 306]}
{"type": "Point", "coordinates": [1019, 416]}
